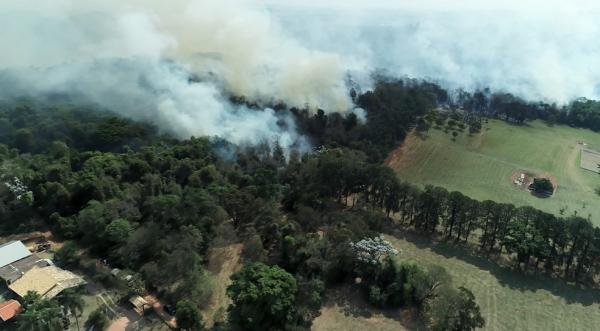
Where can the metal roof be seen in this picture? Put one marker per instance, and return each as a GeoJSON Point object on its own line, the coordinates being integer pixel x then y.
{"type": "Point", "coordinates": [9, 309]}
{"type": "Point", "coordinates": [11, 252]}
{"type": "Point", "coordinates": [15, 270]}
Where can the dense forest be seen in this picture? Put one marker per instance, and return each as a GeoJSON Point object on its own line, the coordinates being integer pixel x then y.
{"type": "Point", "coordinates": [152, 204]}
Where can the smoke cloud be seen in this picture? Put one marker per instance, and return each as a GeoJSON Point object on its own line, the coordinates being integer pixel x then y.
{"type": "Point", "coordinates": [136, 57]}
{"type": "Point", "coordinates": [539, 50]}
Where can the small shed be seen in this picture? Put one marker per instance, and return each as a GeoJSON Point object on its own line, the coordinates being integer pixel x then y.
{"type": "Point", "coordinates": [140, 305]}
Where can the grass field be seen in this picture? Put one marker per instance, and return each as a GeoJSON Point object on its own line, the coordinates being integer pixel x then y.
{"type": "Point", "coordinates": [508, 300]}
{"type": "Point", "coordinates": [481, 166]}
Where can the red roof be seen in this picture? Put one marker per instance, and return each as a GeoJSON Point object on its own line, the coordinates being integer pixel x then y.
{"type": "Point", "coordinates": [9, 309]}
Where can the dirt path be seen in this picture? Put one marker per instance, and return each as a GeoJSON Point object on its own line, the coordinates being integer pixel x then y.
{"type": "Point", "coordinates": [223, 262]}
{"type": "Point", "coordinates": [119, 324]}
{"type": "Point", "coordinates": [573, 167]}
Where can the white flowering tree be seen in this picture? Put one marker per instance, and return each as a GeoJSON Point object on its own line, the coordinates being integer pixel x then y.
{"type": "Point", "coordinates": [373, 250]}
{"type": "Point", "coordinates": [19, 190]}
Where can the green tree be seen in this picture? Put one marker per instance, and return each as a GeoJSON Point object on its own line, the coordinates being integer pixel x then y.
{"type": "Point", "coordinates": [188, 317]}
{"type": "Point", "coordinates": [118, 230]}
{"type": "Point", "coordinates": [542, 186]}
{"type": "Point", "coordinates": [24, 140]}
{"type": "Point", "coordinates": [263, 297]}
{"type": "Point", "coordinates": [71, 300]}
{"type": "Point", "coordinates": [97, 319]}
{"type": "Point", "coordinates": [39, 314]}
{"type": "Point", "coordinates": [67, 254]}
{"type": "Point", "coordinates": [454, 310]}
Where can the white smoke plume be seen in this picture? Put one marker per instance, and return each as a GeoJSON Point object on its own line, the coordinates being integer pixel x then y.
{"type": "Point", "coordinates": [136, 56]}
{"type": "Point", "coordinates": [539, 50]}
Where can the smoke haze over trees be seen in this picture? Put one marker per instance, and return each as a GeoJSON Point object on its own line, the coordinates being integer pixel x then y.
{"type": "Point", "coordinates": [178, 64]}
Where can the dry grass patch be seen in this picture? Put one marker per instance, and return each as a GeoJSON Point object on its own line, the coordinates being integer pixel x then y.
{"type": "Point", "coordinates": [223, 262]}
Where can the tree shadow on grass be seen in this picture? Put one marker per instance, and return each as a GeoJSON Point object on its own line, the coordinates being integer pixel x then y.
{"type": "Point", "coordinates": [506, 276]}
{"type": "Point", "coordinates": [351, 301]}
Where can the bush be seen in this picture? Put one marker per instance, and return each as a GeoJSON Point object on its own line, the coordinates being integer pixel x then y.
{"type": "Point", "coordinates": [454, 310]}
{"type": "Point", "coordinates": [66, 256]}
{"type": "Point", "coordinates": [97, 319]}
{"type": "Point", "coordinates": [188, 316]}
{"type": "Point", "coordinates": [542, 185]}
{"type": "Point", "coordinates": [263, 297]}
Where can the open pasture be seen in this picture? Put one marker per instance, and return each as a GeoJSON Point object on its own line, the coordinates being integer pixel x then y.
{"type": "Point", "coordinates": [509, 300]}
{"type": "Point", "coordinates": [483, 165]}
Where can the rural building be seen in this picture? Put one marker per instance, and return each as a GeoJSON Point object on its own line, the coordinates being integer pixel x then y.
{"type": "Point", "coordinates": [140, 305]}
{"type": "Point", "coordinates": [13, 271]}
{"type": "Point", "coordinates": [47, 281]}
{"type": "Point", "coordinates": [12, 252]}
{"type": "Point", "coordinates": [9, 309]}
{"type": "Point", "coordinates": [23, 271]}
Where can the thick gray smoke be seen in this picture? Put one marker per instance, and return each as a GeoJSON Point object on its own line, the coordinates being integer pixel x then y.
{"type": "Point", "coordinates": [136, 56]}
{"type": "Point", "coordinates": [539, 50]}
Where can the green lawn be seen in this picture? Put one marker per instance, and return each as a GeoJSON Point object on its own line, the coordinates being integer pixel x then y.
{"type": "Point", "coordinates": [508, 300]}
{"type": "Point", "coordinates": [481, 166]}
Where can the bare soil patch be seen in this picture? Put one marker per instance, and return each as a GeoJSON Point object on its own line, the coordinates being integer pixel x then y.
{"type": "Point", "coordinates": [398, 155]}
{"type": "Point", "coordinates": [528, 178]}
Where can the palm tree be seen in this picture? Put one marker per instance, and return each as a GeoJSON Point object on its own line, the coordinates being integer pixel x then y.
{"type": "Point", "coordinates": [71, 300]}
{"type": "Point", "coordinates": [39, 314]}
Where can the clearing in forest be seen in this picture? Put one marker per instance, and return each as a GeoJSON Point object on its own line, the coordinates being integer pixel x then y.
{"type": "Point", "coordinates": [483, 165]}
{"type": "Point", "coordinates": [223, 262]}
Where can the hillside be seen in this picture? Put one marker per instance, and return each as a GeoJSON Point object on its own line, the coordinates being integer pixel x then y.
{"type": "Point", "coordinates": [482, 166]}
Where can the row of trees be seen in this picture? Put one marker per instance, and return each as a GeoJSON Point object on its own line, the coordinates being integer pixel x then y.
{"type": "Point", "coordinates": [581, 113]}
{"type": "Point", "coordinates": [566, 245]}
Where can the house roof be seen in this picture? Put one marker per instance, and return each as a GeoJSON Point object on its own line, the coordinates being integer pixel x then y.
{"type": "Point", "coordinates": [9, 309]}
{"type": "Point", "coordinates": [140, 305]}
{"type": "Point", "coordinates": [11, 252]}
{"type": "Point", "coordinates": [47, 281]}
{"type": "Point", "coordinates": [15, 270]}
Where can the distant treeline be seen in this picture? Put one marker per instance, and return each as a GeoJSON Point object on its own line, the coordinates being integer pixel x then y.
{"type": "Point", "coordinates": [580, 113]}
{"type": "Point", "coordinates": [391, 110]}
{"type": "Point", "coordinates": [394, 107]}
{"type": "Point", "coordinates": [568, 246]}
{"type": "Point", "coordinates": [32, 126]}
